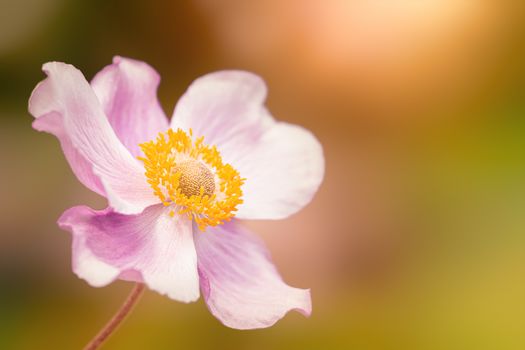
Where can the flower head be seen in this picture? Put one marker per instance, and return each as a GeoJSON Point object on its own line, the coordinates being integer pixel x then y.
{"type": "Point", "coordinates": [177, 189]}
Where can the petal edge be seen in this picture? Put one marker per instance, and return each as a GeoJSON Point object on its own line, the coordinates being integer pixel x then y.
{"type": "Point", "coordinates": [150, 247]}
{"type": "Point", "coordinates": [66, 101]}
{"type": "Point", "coordinates": [239, 282]}
{"type": "Point", "coordinates": [127, 91]}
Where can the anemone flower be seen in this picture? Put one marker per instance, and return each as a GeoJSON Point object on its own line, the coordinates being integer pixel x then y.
{"type": "Point", "coordinates": [177, 189]}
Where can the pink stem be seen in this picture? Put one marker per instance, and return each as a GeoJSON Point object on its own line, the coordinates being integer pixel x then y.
{"type": "Point", "coordinates": [117, 319]}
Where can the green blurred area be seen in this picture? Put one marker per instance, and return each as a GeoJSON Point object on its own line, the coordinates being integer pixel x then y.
{"type": "Point", "coordinates": [416, 239]}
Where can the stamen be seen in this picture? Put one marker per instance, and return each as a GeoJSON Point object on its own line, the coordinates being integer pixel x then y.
{"type": "Point", "coordinates": [190, 177]}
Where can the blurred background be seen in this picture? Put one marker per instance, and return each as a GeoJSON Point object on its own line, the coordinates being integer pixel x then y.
{"type": "Point", "coordinates": [416, 239]}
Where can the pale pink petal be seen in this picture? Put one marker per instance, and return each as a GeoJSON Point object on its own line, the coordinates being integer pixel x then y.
{"type": "Point", "coordinates": [239, 282]}
{"type": "Point", "coordinates": [52, 123]}
{"type": "Point", "coordinates": [283, 171]}
{"type": "Point", "coordinates": [283, 164]}
{"type": "Point", "coordinates": [150, 247]}
{"type": "Point", "coordinates": [223, 107]}
{"type": "Point", "coordinates": [127, 90]}
{"type": "Point", "coordinates": [65, 105]}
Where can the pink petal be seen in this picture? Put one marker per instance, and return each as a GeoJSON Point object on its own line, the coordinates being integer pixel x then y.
{"type": "Point", "coordinates": [283, 172]}
{"type": "Point", "coordinates": [52, 123]}
{"type": "Point", "coordinates": [150, 247]}
{"type": "Point", "coordinates": [66, 106]}
{"type": "Point", "coordinates": [224, 107]}
{"type": "Point", "coordinates": [127, 90]}
{"type": "Point", "coordinates": [239, 282]}
{"type": "Point", "coordinates": [283, 164]}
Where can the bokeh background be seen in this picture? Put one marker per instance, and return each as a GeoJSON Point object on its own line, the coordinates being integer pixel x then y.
{"type": "Point", "coordinates": [416, 239]}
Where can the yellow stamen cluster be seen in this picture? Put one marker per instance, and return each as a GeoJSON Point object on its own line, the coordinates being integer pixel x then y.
{"type": "Point", "coordinates": [190, 176]}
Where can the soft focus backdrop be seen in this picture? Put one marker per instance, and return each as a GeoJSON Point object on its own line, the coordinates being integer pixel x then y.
{"type": "Point", "coordinates": [416, 239]}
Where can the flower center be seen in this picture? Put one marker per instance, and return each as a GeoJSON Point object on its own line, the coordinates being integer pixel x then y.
{"type": "Point", "coordinates": [191, 178]}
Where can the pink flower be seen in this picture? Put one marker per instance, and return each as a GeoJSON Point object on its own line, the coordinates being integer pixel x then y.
{"type": "Point", "coordinates": [176, 189]}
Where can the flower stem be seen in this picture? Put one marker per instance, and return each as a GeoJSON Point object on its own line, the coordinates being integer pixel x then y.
{"type": "Point", "coordinates": [117, 319]}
